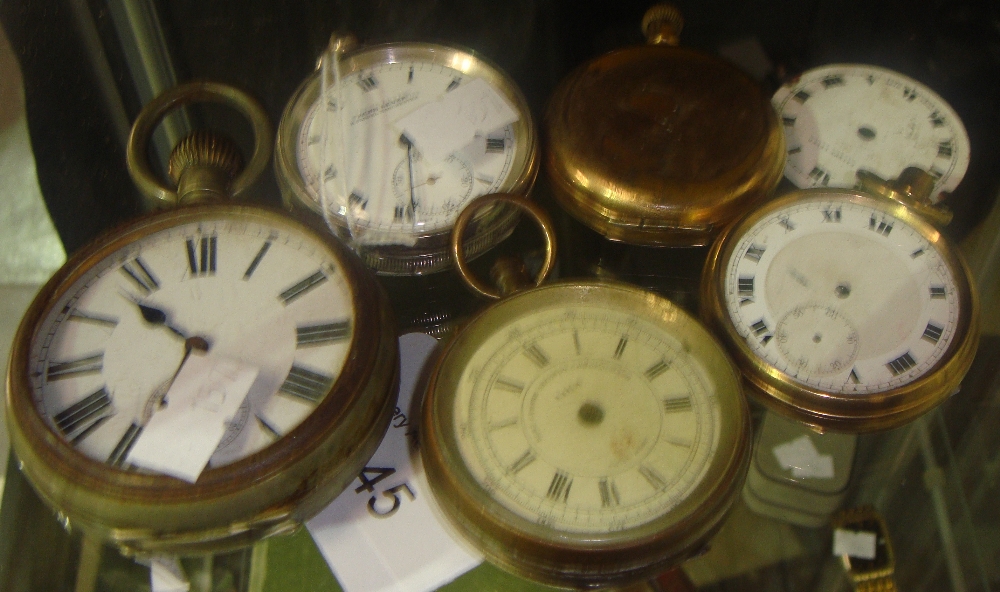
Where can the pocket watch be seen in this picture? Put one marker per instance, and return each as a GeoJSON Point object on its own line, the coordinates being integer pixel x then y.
{"type": "Point", "coordinates": [345, 141]}
{"type": "Point", "coordinates": [102, 342]}
{"type": "Point", "coordinates": [843, 117]}
{"type": "Point", "coordinates": [583, 433]}
{"type": "Point", "coordinates": [658, 144]}
{"type": "Point", "coordinates": [845, 308]}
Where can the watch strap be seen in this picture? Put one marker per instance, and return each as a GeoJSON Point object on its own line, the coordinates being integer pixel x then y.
{"type": "Point", "coordinates": [879, 584]}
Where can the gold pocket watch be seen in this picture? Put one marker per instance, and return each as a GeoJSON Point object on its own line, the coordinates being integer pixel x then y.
{"type": "Point", "coordinates": [583, 433]}
{"type": "Point", "coordinates": [845, 308]}
{"type": "Point", "coordinates": [344, 141]}
{"type": "Point", "coordinates": [100, 346]}
{"type": "Point", "coordinates": [661, 145]}
{"type": "Point", "coordinates": [841, 118]}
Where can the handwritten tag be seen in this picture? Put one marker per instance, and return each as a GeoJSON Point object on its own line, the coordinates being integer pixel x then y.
{"type": "Point", "coordinates": [855, 543]}
{"type": "Point", "coordinates": [180, 438]}
{"type": "Point", "coordinates": [381, 534]}
{"type": "Point", "coordinates": [441, 127]}
{"type": "Point", "coordinates": [166, 575]}
{"type": "Point", "coordinates": [804, 460]}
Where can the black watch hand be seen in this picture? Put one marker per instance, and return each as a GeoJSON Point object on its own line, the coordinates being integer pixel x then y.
{"type": "Point", "coordinates": [155, 316]}
{"type": "Point", "coordinates": [409, 160]}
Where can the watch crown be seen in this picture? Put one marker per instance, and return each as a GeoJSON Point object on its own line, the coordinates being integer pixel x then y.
{"type": "Point", "coordinates": [202, 165]}
{"type": "Point", "coordinates": [662, 24]}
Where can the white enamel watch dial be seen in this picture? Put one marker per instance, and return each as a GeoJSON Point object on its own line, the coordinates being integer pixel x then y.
{"type": "Point", "coordinates": [843, 310]}
{"type": "Point", "coordinates": [586, 420]}
{"type": "Point", "coordinates": [256, 294]}
{"type": "Point", "coordinates": [390, 197]}
{"type": "Point", "coordinates": [845, 117]}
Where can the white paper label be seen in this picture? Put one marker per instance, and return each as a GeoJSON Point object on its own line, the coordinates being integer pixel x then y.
{"type": "Point", "coordinates": [181, 437]}
{"type": "Point", "coordinates": [855, 543]}
{"type": "Point", "coordinates": [801, 457]}
{"type": "Point", "coordinates": [443, 126]}
{"type": "Point", "coordinates": [381, 534]}
{"type": "Point", "coordinates": [166, 575]}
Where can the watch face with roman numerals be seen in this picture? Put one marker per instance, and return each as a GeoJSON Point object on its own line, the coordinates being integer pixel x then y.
{"type": "Point", "coordinates": [386, 189]}
{"type": "Point", "coordinates": [840, 293]}
{"type": "Point", "coordinates": [842, 118]}
{"type": "Point", "coordinates": [252, 289]}
{"type": "Point", "coordinates": [586, 419]}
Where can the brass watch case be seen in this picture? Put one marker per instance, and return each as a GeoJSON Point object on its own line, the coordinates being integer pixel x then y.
{"type": "Point", "coordinates": [271, 491]}
{"type": "Point", "coordinates": [575, 559]}
{"type": "Point", "coordinates": [430, 252]}
{"type": "Point", "coordinates": [843, 412]}
{"type": "Point", "coordinates": [660, 145]}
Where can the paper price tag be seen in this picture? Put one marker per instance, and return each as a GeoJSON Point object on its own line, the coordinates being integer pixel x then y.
{"type": "Point", "coordinates": [855, 543]}
{"type": "Point", "coordinates": [166, 575]}
{"type": "Point", "coordinates": [381, 534]}
{"type": "Point", "coordinates": [803, 459]}
{"type": "Point", "coordinates": [180, 438]}
{"type": "Point", "coordinates": [441, 127]}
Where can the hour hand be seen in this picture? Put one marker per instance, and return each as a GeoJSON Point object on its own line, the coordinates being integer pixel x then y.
{"type": "Point", "coordinates": [155, 316]}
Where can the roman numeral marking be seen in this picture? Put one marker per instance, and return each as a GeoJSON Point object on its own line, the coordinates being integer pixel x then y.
{"type": "Point", "coordinates": [202, 255]}
{"type": "Point", "coordinates": [357, 200]}
{"type": "Point", "coordinates": [83, 317]}
{"type": "Point", "coordinates": [833, 80]}
{"type": "Point", "coordinates": [937, 120]}
{"type": "Point", "coordinates": [620, 349]}
{"type": "Point", "coordinates": [322, 334]}
{"type": "Point", "coordinates": [267, 427]}
{"type": "Point", "coordinates": [495, 145]}
{"type": "Point", "coordinates": [882, 226]}
{"type": "Point", "coordinates": [526, 459]}
{"type": "Point", "coordinates": [677, 404]}
{"type": "Point", "coordinates": [306, 384]}
{"type": "Point", "coordinates": [536, 355]}
{"type": "Point", "coordinates": [744, 286]}
{"type": "Point", "coordinates": [909, 93]}
{"type": "Point", "coordinates": [138, 272]}
{"type": "Point", "coordinates": [853, 376]}
{"type": "Point", "coordinates": [256, 260]}
{"type": "Point", "coordinates": [794, 151]}
{"type": "Point", "coordinates": [508, 385]}
{"type": "Point", "coordinates": [484, 178]}
{"type": "Point", "coordinates": [760, 329]}
{"type": "Point", "coordinates": [409, 77]}
{"type": "Point", "coordinates": [302, 287]}
{"type": "Point", "coordinates": [124, 446]}
{"type": "Point", "coordinates": [788, 121]}
{"type": "Point", "coordinates": [786, 223]}
{"type": "Point", "coordinates": [932, 333]}
{"type": "Point", "coordinates": [330, 173]}
{"type": "Point", "coordinates": [655, 480]}
{"type": "Point", "coordinates": [938, 292]}
{"type": "Point", "coordinates": [453, 84]}
{"type": "Point", "coordinates": [831, 215]}
{"type": "Point", "coordinates": [609, 493]}
{"type": "Point", "coordinates": [398, 213]}
{"type": "Point", "coordinates": [510, 421]}
{"type": "Point", "coordinates": [559, 488]}
{"type": "Point", "coordinates": [801, 96]}
{"type": "Point", "coordinates": [368, 83]}
{"type": "Point", "coordinates": [75, 368]}
{"type": "Point", "coordinates": [82, 415]}
{"type": "Point", "coordinates": [945, 149]}
{"type": "Point", "coordinates": [935, 172]}
{"type": "Point", "coordinates": [313, 140]}
{"type": "Point", "coordinates": [901, 364]}
{"type": "Point", "coordinates": [657, 369]}
{"type": "Point", "coordinates": [576, 341]}
{"type": "Point", "coordinates": [819, 176]}
{"type": "Point", "coordinates": [917, 253]}
{"type": "Point", "coordinates": [754, 253]}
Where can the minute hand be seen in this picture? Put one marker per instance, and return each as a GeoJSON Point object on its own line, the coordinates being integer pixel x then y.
{"type": "Point", "coordinates": [409, 161]}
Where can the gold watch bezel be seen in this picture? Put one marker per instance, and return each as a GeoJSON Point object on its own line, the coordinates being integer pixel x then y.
{"type": "Point", "coordinates": [583, 559]}
{"type": "Point", "coordinates": [831, 411]}
{"type": "Point", "coordinates": [429, 253]}
{"type": "Point", "coordinates": [273, 490]}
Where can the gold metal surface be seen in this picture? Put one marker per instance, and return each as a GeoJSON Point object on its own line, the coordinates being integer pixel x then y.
{"type": "Point", "coordinates": [660, 145]}
{"type": "Point", "coordinates": [913, 189]}
{"type": "Point", "coordinates": [572, 559]}
{"type": "Point", "coordinates": [430, 253]}
{"type": "Point", "coordinates": [879, 576]}
{"type": "Point", "coordinates": [507, 275]}
{"type": "Point", "coordinates": [831, 411]}
{"type": "Point", "coordinates": [162, 196]}
{"type": "Point", "coordinates": [269, 492]}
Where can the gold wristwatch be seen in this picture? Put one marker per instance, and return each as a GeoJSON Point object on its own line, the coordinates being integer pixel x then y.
{"type": "Point", "coordinates": [874, 574]}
